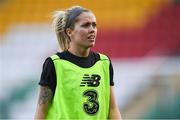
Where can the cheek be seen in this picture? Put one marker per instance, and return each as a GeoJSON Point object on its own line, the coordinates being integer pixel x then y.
{"type": "Point", "coordinates": [82, 34]}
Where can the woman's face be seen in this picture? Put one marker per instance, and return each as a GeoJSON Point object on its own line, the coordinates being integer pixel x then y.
{"type": "Point", "coordinates": [84, 32]}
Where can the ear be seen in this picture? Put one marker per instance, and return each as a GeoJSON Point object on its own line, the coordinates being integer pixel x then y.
{"type": "Point", "coordinates": [69, 32]}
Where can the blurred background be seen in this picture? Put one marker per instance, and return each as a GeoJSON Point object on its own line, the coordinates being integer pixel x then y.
{"type": "Point", "coordinates": [142, 38]}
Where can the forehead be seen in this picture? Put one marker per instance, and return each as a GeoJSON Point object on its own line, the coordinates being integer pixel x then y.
{"type": "Point", "coordinates": [86, 17]}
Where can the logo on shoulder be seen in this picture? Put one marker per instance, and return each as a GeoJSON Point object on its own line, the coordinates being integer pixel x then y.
{"type": "Point", "coordinates": [90, 80]}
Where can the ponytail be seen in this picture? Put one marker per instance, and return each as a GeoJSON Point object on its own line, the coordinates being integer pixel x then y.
{"type": "Point", "coordinates": [59, 23]}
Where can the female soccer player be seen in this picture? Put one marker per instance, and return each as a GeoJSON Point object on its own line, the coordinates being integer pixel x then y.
{"type": "Point", "coordinates": [76, 83]}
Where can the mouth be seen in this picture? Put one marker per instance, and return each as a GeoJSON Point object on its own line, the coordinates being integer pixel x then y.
{"type": "Point", "coordinates": [91, 37]}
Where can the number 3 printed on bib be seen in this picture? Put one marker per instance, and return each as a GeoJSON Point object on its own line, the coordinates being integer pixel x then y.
{"type": "Point", "coordinates": [91, 106]}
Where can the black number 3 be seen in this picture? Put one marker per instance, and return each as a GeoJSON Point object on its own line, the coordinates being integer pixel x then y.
{"type": "Point", "coordinates": [91, 106]}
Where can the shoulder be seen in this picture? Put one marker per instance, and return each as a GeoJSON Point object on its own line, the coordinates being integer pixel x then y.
{"type": "Point", "coordinates": [48, 66]}
{"type": "Point", "coordinates": [62, 54]}
{"type": "Point", "coordinates": [57, 55]}
{"type": "Point", "coordinates": [48, 62]}
{"type": "Point", "coordinates": [104, 57]}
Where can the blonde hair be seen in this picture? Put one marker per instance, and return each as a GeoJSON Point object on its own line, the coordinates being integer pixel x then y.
{"type": "Point", "coordinates": [60, 21]}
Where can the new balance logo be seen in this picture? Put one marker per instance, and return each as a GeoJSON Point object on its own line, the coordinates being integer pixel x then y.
{"type": "Point", "coordinates": [90, 81]}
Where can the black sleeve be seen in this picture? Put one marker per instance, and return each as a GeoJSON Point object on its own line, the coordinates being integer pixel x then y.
{"type": "Point", "coordinates": [111, 74]}
{"type": "Point", "coordinates": [48, 75]}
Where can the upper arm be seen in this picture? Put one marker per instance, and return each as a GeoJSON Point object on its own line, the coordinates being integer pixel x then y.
{"type": "Point", "coordinates": [45, 95]}
{"type": "Point", "coordinates": [48, 75]}
{"type": "Point", "coordinates": [114, 112]}
{"type": "Point", "coordinates": [113, 103]}
{"type": "Point", "coordinates": [45, 98]}
{"type": "Point", "coordinates": [111, 71]}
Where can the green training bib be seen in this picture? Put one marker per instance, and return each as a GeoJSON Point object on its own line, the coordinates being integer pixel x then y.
{"type": "Point", "coordinates": [81, 93]}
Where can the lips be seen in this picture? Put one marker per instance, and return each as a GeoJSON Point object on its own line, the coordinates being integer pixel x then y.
{"type": "Point", "coordinates": [91, 37]}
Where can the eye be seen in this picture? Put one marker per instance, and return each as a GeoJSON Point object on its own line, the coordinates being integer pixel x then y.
{"type": "Point", "coordinates": [86, 24]}
{"type": "Point", "coordinates": [94, 24]}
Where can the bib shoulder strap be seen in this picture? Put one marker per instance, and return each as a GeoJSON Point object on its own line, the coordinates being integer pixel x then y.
{"type": "Point", "coordinates": [103, 57]}
{"type": "Point", "coordinates": [54, 57]}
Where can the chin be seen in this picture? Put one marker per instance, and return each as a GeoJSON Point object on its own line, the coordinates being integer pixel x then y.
{"type": "Point", "coordinates": [92, 45]}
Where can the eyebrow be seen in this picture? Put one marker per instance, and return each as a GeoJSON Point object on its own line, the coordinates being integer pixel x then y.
{"type": "Point", "coordinates": [89, 22]}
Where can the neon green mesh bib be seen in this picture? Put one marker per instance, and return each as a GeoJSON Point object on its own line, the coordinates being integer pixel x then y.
{"type": "Point", "coordinates": [81, 93]}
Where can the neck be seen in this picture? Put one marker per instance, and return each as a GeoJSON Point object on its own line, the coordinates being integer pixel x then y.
{"type": "Point", "coordinates": [80, 52]}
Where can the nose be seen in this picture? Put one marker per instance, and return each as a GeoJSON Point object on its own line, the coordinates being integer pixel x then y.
{"type": "Point", "coordinates": [92, 29]}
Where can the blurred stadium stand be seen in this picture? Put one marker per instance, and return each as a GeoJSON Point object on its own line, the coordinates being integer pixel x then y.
{"type": "Point", "coordinates": [141, 37]}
